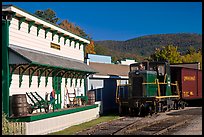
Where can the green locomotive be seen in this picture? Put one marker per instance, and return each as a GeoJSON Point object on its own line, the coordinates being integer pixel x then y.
{"type": "Point", "coordinates": [149, 90]}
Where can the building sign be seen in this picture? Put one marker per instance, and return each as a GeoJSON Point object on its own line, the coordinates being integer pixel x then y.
{"type": "Point", "coordinates": [187, 93]}
{"type": "Point", "coordinates": [55, 46]}
{"type": "Point", "coordinates": [189, 78]}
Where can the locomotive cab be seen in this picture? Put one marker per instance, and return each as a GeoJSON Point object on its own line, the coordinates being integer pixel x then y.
{"type": "Point", "coordinates": [163, 76]}
{"type": "Point", "coordinates": [137, 78]}
{"type": "Point", "coordinates": [143, 82]}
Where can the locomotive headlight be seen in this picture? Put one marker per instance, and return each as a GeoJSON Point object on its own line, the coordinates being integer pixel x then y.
{"type": "Point", "coordinates": [137, 73]}
{"type": "Point", "coordinates": [168, 83]}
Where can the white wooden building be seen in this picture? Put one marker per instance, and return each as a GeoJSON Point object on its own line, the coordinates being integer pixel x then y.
{"type": "Point", "coordinates": [39, 56]}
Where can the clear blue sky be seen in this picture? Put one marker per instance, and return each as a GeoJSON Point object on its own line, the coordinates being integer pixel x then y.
{"type": "Point", "coordinates": [125, 20]}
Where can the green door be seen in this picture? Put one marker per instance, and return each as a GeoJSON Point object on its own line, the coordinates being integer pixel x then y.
{"type": "Point", "coordinates": [57, 88]}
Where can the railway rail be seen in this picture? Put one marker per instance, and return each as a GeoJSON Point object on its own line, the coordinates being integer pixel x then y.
{"type": "Point", "coordinates": [158, 124]}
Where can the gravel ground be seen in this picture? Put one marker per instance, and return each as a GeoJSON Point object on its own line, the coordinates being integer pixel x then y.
{"type": "Point", "coordinates": [193, 127]}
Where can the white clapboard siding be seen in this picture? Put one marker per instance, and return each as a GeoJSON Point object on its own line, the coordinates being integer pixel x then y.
{"type": "Point", "coordinates": [40, 21]}
{"type": "Point", "coordinates": [41, 90]}
{"type": "Point", "coordinates": [71, 88]}
{"type": "Point", "coordinates": [32, 41]}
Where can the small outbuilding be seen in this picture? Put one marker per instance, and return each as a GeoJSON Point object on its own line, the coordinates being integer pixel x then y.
{"type": "Point", "coordinates": [104, 82]}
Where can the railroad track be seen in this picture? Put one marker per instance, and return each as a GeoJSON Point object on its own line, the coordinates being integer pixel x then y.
{"type": "Point", "coordinates": [110, 128]}
{"type": "Point", "coordinates": [160, 127]}
{"type": "Point", "coordinates": [158, 124]}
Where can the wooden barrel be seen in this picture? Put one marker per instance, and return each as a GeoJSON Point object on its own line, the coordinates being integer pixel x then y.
{"type": "Point", "coordinates": [91, 97]}
{"type": "Point", "coordinates": [19, 105]}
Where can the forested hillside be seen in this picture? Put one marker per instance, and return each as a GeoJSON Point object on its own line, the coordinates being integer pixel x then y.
{"type": "Point", "coordinates": [141, 47]}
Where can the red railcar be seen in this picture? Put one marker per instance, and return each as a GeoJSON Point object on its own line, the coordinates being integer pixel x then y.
{"type": "Point", "coordinates": [189, 80]}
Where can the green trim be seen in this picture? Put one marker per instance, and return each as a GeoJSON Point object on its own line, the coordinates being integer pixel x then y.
{"type": "Point", "coordinates": [80, 82]}
{"type": "Point", "coordinates": [21, 73]}
{"type": "Point", "coordinates": [76, 82]}
{"type": "Point", "coordinates": [71, 81]}
{"type": "Point", "coordinates": [59, 73]}
{"type": "Point", "coordinates": [53, 33]}
{"type": "Point", "coordinates": [84, 98]}
{"type": "Point", "coordinates": [59, 36]}
{"type": "Point", "coordinates": [30, 78]}
{"type": "Point", "coordinates": [46, 78]}
{"type": "Point", "coordinates": [80, 76]}
{"type": "Point", "coordinates": [52, 114]}
{"type": "Point", "coordinates": [21, 19]}
{"type": "Point", "coordinates": [76, 78]}
{"type": "Point", "coordinates": [71, 39]}
{"type": "Point", "coordinates": [40, 26]}
{"type": "Point", "coordinates": [39, 77]}
{"type": "Point", "coordinates": [66, 81]}
{"type": "Point", "coordinates": [41, 71]}
{"type": "Point", "coordinates": [85, 83]}
{"type": "Point", "coordinates": [64, 74]}
{"type": "Point", "coordinates": [13, 68]}
{"type": "Point", "coordinates": [72, 75]}
{"type": "Point", "coordinates": [5, 67]}
{"type": "Point", "coordinates": [48, 22]}
{"type": "Point", "coordinates": [65, 39]}
{"type": "Point", "coordinates": [55, 72]}
{"type": "Point", "coordinates": [75, 42]}
{"type": "Point", "coordinates": [46, 31]}
{"type": "Point", "coordinates": [8, 13]}
{"type": "Point", "coordinates": [20, 76]}
{"type": "Point", "coordinates": [56, 84]}
{"type": "Point", "coordinates": [80, 42]}
{"type": "Point", "coordinates": [30, 24]}
{"type": "Point", "coordinates": [31, 75]}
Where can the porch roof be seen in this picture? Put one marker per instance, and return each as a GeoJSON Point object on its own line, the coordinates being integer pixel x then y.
{"type": "Point", "coordinates": [19, 55]}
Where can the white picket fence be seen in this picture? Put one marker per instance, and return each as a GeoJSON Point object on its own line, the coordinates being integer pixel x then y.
{"type": "Point", "coordinates": [16, 128]}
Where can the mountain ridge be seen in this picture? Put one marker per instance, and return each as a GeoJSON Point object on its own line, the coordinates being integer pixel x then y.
{"type": "Point", "coordinates": [143, 46]}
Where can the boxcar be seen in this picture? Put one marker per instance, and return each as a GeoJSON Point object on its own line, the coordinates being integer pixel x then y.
{"type": "Point", "coordinates": [189, 81]}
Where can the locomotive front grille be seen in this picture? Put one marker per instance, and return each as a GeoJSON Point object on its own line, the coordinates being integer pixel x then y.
{"type": "Point", "coordinates": [137, 89]}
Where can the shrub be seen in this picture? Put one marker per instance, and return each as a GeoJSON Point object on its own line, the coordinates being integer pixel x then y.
{"type": "Point", "coordinates": [6, 130]}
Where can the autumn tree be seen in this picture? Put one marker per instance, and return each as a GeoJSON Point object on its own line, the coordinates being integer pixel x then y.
{"type": "Point", "coordinates": [68, 26]}
{"type": "Point", "coordinates": [191, 50]}
{"type": "Point", "coordinates": [169, 53]}
{"type": "Point", "coordinates": [89, 49]}
{"type": "Point", "coordinates": [82, 33]}
{"type": "Point", "coordinates": [65, 24]}
{"type": "Point", "coordinates": [48, 14]}
{"type": "Point", "coordinates": [192, 56]}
